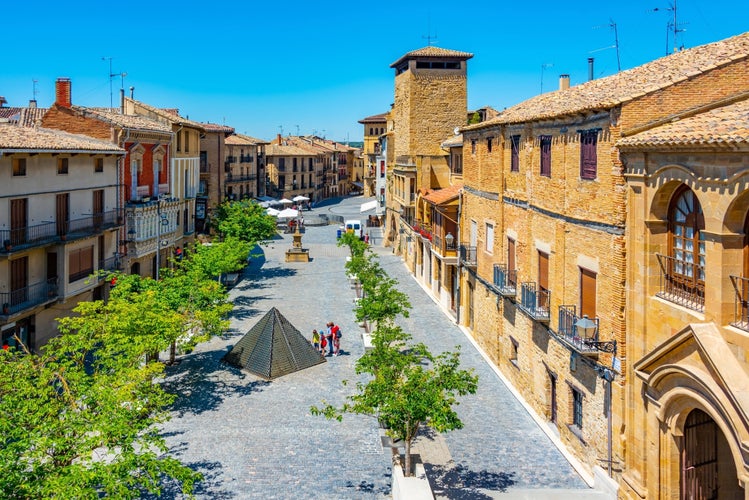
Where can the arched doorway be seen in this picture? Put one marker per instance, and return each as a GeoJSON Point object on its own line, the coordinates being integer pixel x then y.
{"type": "Point", "coordinates": [707, 468]}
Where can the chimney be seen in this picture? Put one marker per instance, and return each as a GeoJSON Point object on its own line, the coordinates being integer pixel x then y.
{"type": "Point", "coordinates": [132, 93]}
{"type": "Point", "coordinates": [122, 101]}
{"type": "Point", "coordinates": [279, 139]}
{"type": "Point", "coordinates": [564, 82]}
{"type": "Point", "coordinates": [590, 68]}
{"type": "Point", "coordinates": [32, 103]}
{"type": "Point", "coordinates": [62, 92]}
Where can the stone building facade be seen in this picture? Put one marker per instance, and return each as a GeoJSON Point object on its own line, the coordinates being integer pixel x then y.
{"type": "Point", "coordinates": [212, 172]}
{"type": "Point", "coordinates": [244, 167]}
{"type": "Point", "coordinates": [544, 269]}
{"type": "Point", "coordinates": [687, 421]}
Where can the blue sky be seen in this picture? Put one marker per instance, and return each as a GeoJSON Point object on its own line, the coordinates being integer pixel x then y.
{"type": "Point", "coordinates": [306, 67]}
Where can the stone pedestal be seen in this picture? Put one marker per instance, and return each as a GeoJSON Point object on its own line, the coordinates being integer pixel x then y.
{"type": "Point", "coordinates": [296, 253]}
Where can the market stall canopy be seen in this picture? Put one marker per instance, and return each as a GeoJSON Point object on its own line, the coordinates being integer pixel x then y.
{"type": "Point", "coordinates": [273, 348]}
{"type": "Point", "coordinates": [288, 213]}
{"type": "Point", "coordinates": [299, 198]}
{"type": "Point", "coordinates": [370, 205]}
{"type": "Point", "coordinates": [272, 211]}
{"type": "Point", "coordinates": [286, 201]}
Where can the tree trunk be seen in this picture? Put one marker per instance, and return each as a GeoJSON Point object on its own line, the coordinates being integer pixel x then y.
{"type": "Point", "coordinates": [173, 353]}
{"type": "Point", "coordinates": [407, 467]}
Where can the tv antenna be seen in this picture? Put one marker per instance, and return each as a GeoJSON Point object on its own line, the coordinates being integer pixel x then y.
{"type": "Point", "coordinates": [111, 76]}
{"type": "Point", "coordinates": [611, 25]}
{"type": "Point", "coordinates": [672, 26]}
{"type": "Point", "coordinates": [297, 130]}
{"type": "Point", "coordinates": [34, 92]}
{"type": "Point", "coordinates": [429, 38]}
{"type": "Point", "coordinates": [544, 66]}
{"type": "Point", "coordinates": [280, 128]}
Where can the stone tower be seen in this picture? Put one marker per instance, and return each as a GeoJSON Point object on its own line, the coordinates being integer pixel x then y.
{"type": "Point", "coordinates": [430, 100]}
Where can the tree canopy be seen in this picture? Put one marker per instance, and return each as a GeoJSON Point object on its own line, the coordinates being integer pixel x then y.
{"type": "Point", "coordinates": [245, 221]}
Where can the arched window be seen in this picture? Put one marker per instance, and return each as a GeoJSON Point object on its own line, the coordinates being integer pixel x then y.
{"type": "Point", "coordinates": [686, 269]}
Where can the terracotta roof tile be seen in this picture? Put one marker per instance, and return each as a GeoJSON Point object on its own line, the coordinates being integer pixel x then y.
{"type": "Point", "coordinates": [432, 51]}
{"type": "Point", "coordinates": [125, 121]}
{"type": "Point", "coordinates": [241, 139]}
{"type": "Point", "coordinates": [440, 196]}
{"type": "Point", "coordinates": [375, 118]}
{"type": "Point", "coordinates": [724, 127]}
{"type": "Point", "coordinates": [614, 90]}
{"type": "Point", "coordinates": [169, 114]}
{"type": "Point", "coordinates": [214, 127]}
{"type": "Point", "coordinates": [17, 138]}
{"type": "Point", "coordinates": [274, 149]}
{"type": "Point", "coordinates": [453, 141]}
{"type": "Point", "coordinates": [25, 117]}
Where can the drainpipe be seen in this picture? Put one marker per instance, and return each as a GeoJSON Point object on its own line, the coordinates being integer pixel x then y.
{"type": "Point", "coordinates": [457, 241]}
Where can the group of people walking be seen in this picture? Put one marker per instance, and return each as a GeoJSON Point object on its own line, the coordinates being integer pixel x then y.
{"type": "Point", "coordinates": [328, 338]}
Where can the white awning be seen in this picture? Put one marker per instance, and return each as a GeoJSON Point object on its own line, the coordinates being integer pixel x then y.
{"type": "Point", "coordinates": [370, 205]}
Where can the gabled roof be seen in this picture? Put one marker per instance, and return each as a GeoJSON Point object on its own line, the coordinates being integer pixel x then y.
{"type": "Point", "coordinates": [272, 348]}
{"type": "Point", "coordinates": [216, 128]}
{"type": "Point", "coordinates": [606, 93]}
{"type": "Point", "coordinates": [244, 140]}
{"type": "Point", "coordinates": [14, 138]}
{"type": "Point", "coordinates": [432, 51]}
{"type": "Point", "coordinates": [375, 118]}
{"type": "Point", "coordinates": [453, 141]}
{"type": "Point", "coordinates": [25, 117]}
{"type": "Point", "coordinates": [169, 115]}
{"type": "Point", "coordinates": [440, 196]}
{"type": "Point", "coordinates": [274, 149]}
{"type": "Point", "coordinates": [124, 121]}
{"type": "Point", "coordinates": [727, 126]}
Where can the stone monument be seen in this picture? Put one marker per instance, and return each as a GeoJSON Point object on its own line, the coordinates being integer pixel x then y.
{"type": "Point", "coordinates": [296, 253]}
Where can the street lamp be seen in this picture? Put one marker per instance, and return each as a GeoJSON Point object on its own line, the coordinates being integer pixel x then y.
{"type": "Point", "coordinates": [449, 240]}
{"type": "Point", "coordinates": [586, 327]}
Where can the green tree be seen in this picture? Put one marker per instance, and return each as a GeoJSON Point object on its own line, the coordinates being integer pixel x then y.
{"type": "Point", "coordinates": [213, 260]}
{"type": "Point", "coordinates": [244, 220]}
{"type": "Point", "coordinates": [408, 388]}
{"type": "Point", "coordinates": [79, 419]}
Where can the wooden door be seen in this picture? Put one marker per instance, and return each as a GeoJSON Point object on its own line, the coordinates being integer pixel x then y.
{"type": "Point", "coordinates": [18, 220]}
{"type": "Point", "coordinates": [699, 463]}
{"type": "Point", "coordinates": [62, 213]}
{"type": "Point", "coordinates": [19, 281]}
{"type": "Point", "coordinates": [98, 206]}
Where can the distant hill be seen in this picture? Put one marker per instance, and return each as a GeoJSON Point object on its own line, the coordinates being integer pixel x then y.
{"type": "Point", "coordinates": [354, 144]}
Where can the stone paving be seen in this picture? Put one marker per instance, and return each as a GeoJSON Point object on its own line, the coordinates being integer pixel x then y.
{"type": "Point", "coordinates": [257, 439]}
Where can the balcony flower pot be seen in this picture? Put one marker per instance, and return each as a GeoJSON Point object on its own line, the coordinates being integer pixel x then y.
{"type": "Point", "coordinates": [8, 246]}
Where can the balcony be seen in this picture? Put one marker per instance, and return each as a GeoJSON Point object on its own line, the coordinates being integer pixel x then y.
{"type": "Point", "coordinates": [534, 301]}
{"type": "Point", "coordinates": [468, 255]}
{"type": "Point", "coordinates": [231, 159]}
{"type": "Point", "coordinates": [29, 296]}
{"type": "Point", "coordinates": [245, 158]}
{"type": "Point", "coordinates": [443, 247]}
{"type": "Point", "coordinates": [52, 232]}
{"type": "Point", "coordinates": [682, 283]}
{"type": "Point", "coordinates": [423, 229]}
{"type": "Point", "coordinates": [740, 302]}
{"type": "Point", "coordinates": [584, 340]}
{"type": "Point", "coordinates": [505, 280]}
{"type": "Point", "coordinates": [110, 264]}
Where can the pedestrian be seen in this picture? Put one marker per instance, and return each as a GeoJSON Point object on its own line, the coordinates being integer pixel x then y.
{"type": "Point", "coordinates": [329, 337]}
{"type": "Point", "coordinates": [316, 339]}
{"type": "Point", "coordinates": [366, 238]}
{"type": "Point", "coordinates": [336, 337]}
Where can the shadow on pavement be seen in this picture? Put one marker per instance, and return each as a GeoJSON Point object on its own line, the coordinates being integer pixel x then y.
{"type": "Point", "coordinates": [243, 307]}
{"type": "Point", "coordinates": [210, 485]}
{"type": "Point", "coordinates": [457, 482]}
{"type": "Point", "coordinates": [201, 383]}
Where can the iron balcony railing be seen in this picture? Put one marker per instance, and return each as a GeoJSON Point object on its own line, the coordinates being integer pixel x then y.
{"type": "Point", "coordinates": [245, 159]}
{"type": "Point", "coordinates": [231, 159]}
{"type": "Point", "coordinates": [110, 264]}
{"type": "Point", "coordinates": [505, 280]}
{"type": "Point", "coordinates": [468, 255]}
{"type": "Point", "coordinates": [575, 337]}
{"type": "Point", "coordinates": [29, 296]}
{"type": "Point", "coordinates": [682, 283]}
{"type": "Point", "coordinates": [740, 302]}
{"type": "Point", "coordinates": [52, 232]}
{"type": "Point", "coordinates": [535, 301]}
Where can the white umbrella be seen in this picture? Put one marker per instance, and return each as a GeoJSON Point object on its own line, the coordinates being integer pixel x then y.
{"type": "Point", "coordinates": [299, 198]}
{"type": "Point", "coordinates": [288, 213]}
{"type": "Point", "coordinates": [286, 201]}
{"type": "Point", "coordinates": [272, 211]}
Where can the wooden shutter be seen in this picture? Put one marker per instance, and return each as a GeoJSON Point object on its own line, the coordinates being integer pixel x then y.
{"type": "Point", "coordinates": [545, 142]}
{"type": "Point", "coordinates": [588, 154]}
{"type": "Point", "coordinates": [19, 280]}
{"type": "Point", "coordinates": [18, 220]}
{"type": "Point", "coordinates": [510, 254]}
{"type": "Point", "coordinates": [587, 293]}
{"type": "Point", "coordinates": [515, 153]}
{"type": "Point", "coordinates": [62, 213]}
{"type": "Point", "coordinates": [543, 270]}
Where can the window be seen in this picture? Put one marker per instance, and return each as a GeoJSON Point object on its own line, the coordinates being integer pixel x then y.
{"type": "Point", "coordinates": [19, 167]}
{"type": "Point", "coordinates": [80, 263]}
{"type": "Point", "coordinates": [98, 165]}
{"type": "Point", "coordinates": [187, 141]}
{"type": "Point", "coordinates": [510, 254]}
{"type": "Point", "coordinates": [577, 408]}
{"type": "Point", "coordinates": [473, 234]}
{"type": "Point", "coordinates": [543, 281]}
{"type": "Point", "coordinates": [545, 145]}
{"type": "Point", "coordinates": [281, 163]}
{"type": "Point", "coordinates": [473, 146]}
{"type": "Point", "coordinates": [489, 237]}
{"type": "Point", "coordinates": [587, 293]}
{"type": "Point", "coordinates": [514, 352]}
{"type": "Point", "coordinates": [179, 142]}
{"type": "Point", "coordinates": [62, 166]}
{"type": "Point", "coordinates": [687, 246]}
{"type": "Point", "coordinates": [489, 144]}
{"type": "Point", "coordinates": [588, 154]}
{"type": "Point", "coordinates": [515, 153]}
